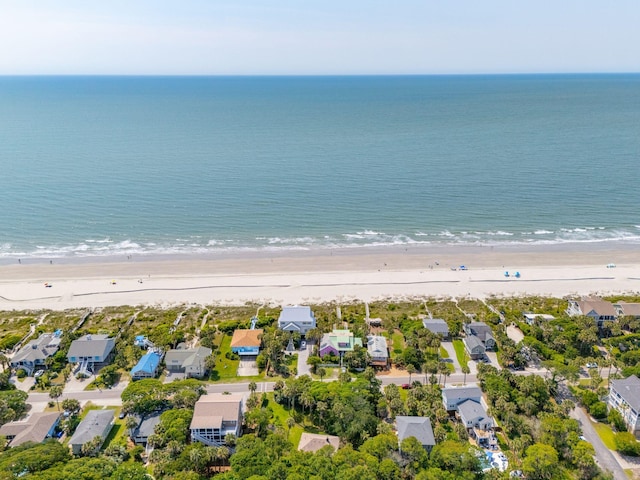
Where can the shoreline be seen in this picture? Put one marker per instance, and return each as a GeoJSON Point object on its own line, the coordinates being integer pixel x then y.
{"type": "Point", "coordinates": [296, 277]}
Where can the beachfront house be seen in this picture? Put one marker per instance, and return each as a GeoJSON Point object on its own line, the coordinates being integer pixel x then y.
{"type": "Point", "coordinates": [312, 442]}
{"type": "Point", "coordinates": [91, 351]}
{"type": "Point", "coordinates": [147, 366]}
{"type": "Point", "coordinates": [97, 423]}
{"type": "Point", "coordinates": [187, 361]}
{"type": "Point", "coordinates": [483, 332]}
{"type": "Point", "coordinates": [246, 342]}
{"type": "Point", "coordinates": [418, 427]}
{"type": "Point", "coordinates": [214, 417]}
{"type": "Point", "coordinates": [33, 356]}
{"type": "Point", "coordinates": [624, 396]}
{"type": "Point", "coordinates": [531, 318]}
{"type": "Point", "coordinates": [146, 427]}
{"type": "Point", "coordinates": [37, 428]}
{"type": "Point", "coordinates": [437, 326]}
{"type": "Point", "coordinates": [626, 309]}
{"type": "Point", "coordinates": [599, 310]}
{"type": "Point", "coordinates": [296, 319]}
{"type": "Point", "coordinates": [338, 343]}
{"type": "Point", "coordinates": [454, 396]}
{"type": "Point", "coordinates": [378, 351]}
{"type": "Point", "coordinates": [474, 346]}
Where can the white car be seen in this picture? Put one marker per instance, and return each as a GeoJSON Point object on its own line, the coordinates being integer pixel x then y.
{"type": "Point", "coordinates": [592, 365]}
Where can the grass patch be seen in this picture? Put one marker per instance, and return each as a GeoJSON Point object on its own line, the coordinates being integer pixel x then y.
{"type": "Point", "coordinates": [461, 353]}
{"type": "Point", "coordinates": [280, 415]}
{"type": "Point", "coordinates": [226, 369]}
{"type": "Point", "coordinates": [606, 435]}
{"type": "Point", "coordinates": [443, 352]}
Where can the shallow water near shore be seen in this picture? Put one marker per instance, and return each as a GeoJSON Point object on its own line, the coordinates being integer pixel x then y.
{"type": "Point", "coordinates": [120, 167]}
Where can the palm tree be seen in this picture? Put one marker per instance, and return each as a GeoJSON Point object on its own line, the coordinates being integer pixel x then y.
{"type": "Point", "coordinates": [290, 423]}
{"type": "Point", "coordinates": [253, 387]}
{"type": "Point", "coordinates": [55, 393]}
{"type": "Point", "coordinates": [321, 372]}
{"type": "Point", "coordinates": [411, 369]}
{"type": "Point", "coordinates": [131, 423]}
{"type": "Point", "coordinates": [4, 361]}
{"type": "Point", "coordinates": [465, 369]}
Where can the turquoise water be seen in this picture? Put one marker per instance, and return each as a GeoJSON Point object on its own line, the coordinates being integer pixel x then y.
{"type": "Point", "coordinates": [154, 165]}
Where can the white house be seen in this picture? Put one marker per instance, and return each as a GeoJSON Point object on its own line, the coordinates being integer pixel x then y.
{"type": "Point", "coordinates": [479, 424]}
{"type": "Point", "coordinates": [298, 319]}
{"type": "Point", "coordinates": [378, 351]}
{"type": "Point", "coordinates": [530, 318]}
{"type": "Point", "coordinates": [624, 396]}
{"type": "Point", "coordinates": [454, 396]}
{"type": "Point", "coordinates": [215, 416]}
{"type": "Point", "coordinates": [91, 350]}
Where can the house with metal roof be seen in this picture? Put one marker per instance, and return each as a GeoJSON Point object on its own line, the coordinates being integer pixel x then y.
{"type": "Point", "coordinates": [34, 354]}
{"type": "Point", "coordinates": [214, 417]}
{"type": "Point", "coordinates": [37, 428]}
{"type": "Point", "coordinates": [531, 318]}
{"type": "Point", "coordinates": [437, 326]}
{"type": "Point", "coordinates": [190, 361]}
{"type": "Point", "coordinates": [312, 442]}
{"type": "Point", "coordinates": [147, 366]}
{"type": "Point", "coordinates": [90, 351]}
{"type": "Point", "coordinates": [418, 427]}
{"type": "Point", "coordinates": [246, 342]}
{"type": "Point", "coordinates": [296, 319]}
{"type": "Point", "coordinates": [97, 423]}
{"type": "Point", "coordinates": [624, 396]}
{"type": "Point", "coordinates": [378, 351]}
{"type": "Point", "coordinates": [338, 343]}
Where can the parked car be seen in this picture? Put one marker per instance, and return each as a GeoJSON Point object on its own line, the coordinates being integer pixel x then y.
{"type": "Point", "coordinates": [406, 386]}
{"type": "Point", "coordinates": [122, 414]}
{"type": "Point", "coordinates": [303, 345]}
{"type": "Point", "coordinates": [592, 365]}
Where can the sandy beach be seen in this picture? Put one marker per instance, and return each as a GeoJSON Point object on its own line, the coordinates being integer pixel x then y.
{"type": "Point", "coordinates": [321, 276]}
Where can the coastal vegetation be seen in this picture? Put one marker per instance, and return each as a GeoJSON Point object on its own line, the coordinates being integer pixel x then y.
{"type": "Point", "coordinates": [535, 430]}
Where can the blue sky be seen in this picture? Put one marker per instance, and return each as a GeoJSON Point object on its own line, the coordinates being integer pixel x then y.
{"type": "Point", "coordinates": [226, 37]}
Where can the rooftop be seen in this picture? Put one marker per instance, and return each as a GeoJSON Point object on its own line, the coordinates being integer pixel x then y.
{"type": "Point", "coordinates": [311, 442]}
{"type": "Point", "coordinates": [34, 429]}
{"type": "Point", "coordinates": [246, 338]}
{"type": "Point", "coordinates": [92, 425]}
{"type": "Point", "coordinates": [296, 314]}
{"type": "Point", "coordinates": [629, 390]}
{"type": "Point", "coordinates": [213, 409]}
{"type": "Point", "coordinates": [418, 427]}
{"type": "Point", "coordinates": [91, 346]}
{"type": "Point", "coordinates": [148, 363]}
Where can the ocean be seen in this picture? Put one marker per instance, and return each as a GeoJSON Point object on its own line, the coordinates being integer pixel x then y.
{"type": "Point", "coordinates": [118, 166]}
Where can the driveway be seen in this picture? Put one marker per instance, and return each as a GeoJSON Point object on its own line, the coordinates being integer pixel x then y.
{"type": "Point", "coordinates": [515, 334]}
{"type": "Point", "coordinates": [303, 355]}
{"type": "Point", "coordinates": [493, 357]}
{"type": "Point", "coordinates": [448, 346]}
{"type": "Point", "coordinates": [248, 366]}
{"type": "Point", "coordinates": [605, 458]}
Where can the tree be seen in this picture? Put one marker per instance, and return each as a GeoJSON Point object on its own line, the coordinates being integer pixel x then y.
{"type": "Point", "coordinates": [55, 393]}
{"type": "Point", "coordinates": [131, 423]}
{"type": "Point", "coordinates": [582, 458]}
{"type": "Point", "coordinates": [253, 386]}
{"type": "Point", "coordinates": [321, 372]}
{"type": "Point", "coordinates": [71, 405]}
{"type": "Point", "coordinates": [465, 369]}
{"type": "Point", "coordinates": [627, 444]}
{"type": "Point", "coordinates": [411, 369]}
{"type": "Point", "coordinates": [541, 462]}
{"type": "Point", "coordinates": [92, 447]}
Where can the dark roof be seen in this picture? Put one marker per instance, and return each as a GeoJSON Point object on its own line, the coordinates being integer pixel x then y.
{"type": "Point", "coordinates": [419, 427]}
{"type": "Point", "coordinates": [629, 389]}
{"type": "Point", "coordinates": [94, 424]}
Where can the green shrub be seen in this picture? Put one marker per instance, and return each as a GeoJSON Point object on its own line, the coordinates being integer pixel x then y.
{"type": "Point", "coordinates": [615, 419]}
{"type": "Point", "coordinates": [598, 410]}
{"type": "Point", "coordinates": [627, 444]}
{"type": "Point", "coordinates": [21, 373]}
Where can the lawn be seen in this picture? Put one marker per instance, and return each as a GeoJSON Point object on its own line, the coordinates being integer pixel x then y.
{"type": "Point", "coordinates": [280, 415]}
{"type": "Point", "coordinates": [461, 353]}
{"type": "Point", "coordinates": [226, 369]}
{"type": "Point", "coordinates": [443, 352]}
{"type": "Point", "coordinates": [606, 435]}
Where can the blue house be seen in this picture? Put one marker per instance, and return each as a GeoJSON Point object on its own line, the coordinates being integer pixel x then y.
{"type": "Point", "coordinates": [147, 366]}
{"type": "Point", "coordinates": [246, 342]}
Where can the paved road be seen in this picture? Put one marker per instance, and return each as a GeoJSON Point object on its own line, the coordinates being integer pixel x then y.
{"type": "Point", "coordinates": [605, 458]}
